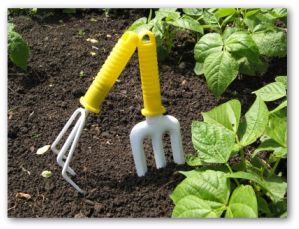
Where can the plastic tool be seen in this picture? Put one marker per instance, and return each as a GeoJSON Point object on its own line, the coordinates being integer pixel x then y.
{"type": "Point", "coordinates": [92, 101]}
{"type": "Point", "coordinates": [156, 124]}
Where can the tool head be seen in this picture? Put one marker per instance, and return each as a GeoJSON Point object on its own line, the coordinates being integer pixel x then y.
{"type": "Point", "coordinates": [155, 127]}
{"type": "Point", "coordinates": [65, 154]}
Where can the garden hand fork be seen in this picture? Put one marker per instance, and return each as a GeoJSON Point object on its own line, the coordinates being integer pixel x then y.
{"type": "Point", "coordinates": [92, 101]}
{"type": "Point", "coordinates": [156, 124]}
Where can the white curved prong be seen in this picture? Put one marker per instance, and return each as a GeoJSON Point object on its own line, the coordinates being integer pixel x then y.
{"type": "Point", "coordinates": [137, 135]}
{"type": "Point", "coordinates": [71, 182]}
{"type": "Point", "coordinates": [157, 144]}
{"type": "Point", "coordinates": [70, 144]}
{"type": "Point", "coordinates": [64, 130]}
{"type": "Point", "coordinates": [69, 141]}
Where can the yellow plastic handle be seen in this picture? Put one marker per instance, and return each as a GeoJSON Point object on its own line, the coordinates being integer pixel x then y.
{"type": "Point", "coordinates": [150, 83]}
{"type": "Point", "coordinates": [110, 71]}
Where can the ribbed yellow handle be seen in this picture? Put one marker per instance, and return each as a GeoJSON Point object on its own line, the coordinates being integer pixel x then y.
{"type": "Point", "coordinates": [110, 71]}
{"type": "Point", "coordinates": [150, 83]}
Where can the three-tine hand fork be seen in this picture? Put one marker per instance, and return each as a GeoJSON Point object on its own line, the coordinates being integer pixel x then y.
{"type": "Point", "coordinates": [156, 124]}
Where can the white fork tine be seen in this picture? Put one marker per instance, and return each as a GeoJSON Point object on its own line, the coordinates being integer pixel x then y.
{"type": "Point", "coordinates": [137, 135]}
{"type": "Point", "coordinates": [157, 144]}
{"type": "Point", "coordinates": [176, 140]}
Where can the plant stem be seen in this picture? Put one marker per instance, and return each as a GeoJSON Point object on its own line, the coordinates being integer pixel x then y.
{"type": "Point", "coordinates": [242, 154]}
{"type": "Point", "coordinates": [150, 16]}
{"type": "Point", "coordinates": [274, 167]}
{"type": "Point", "coordinates": [231, 171]}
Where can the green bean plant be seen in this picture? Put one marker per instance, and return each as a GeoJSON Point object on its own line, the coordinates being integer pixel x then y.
{"type": "Point", "coordinates": [230, 41]}
{"type": "Point", "coordinates": [252, 186]}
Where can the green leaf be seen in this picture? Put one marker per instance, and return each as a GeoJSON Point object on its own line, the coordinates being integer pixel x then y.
{"type": "Point", "coordinates": [18, 49]}
{"type": "Point", "coordinates": [201, 195]}
{"type": "Point", "coordinates": [213, 142]}
{"type": "Point", "coordinates": [220, 69]}
{"type": "Point", "coordinates": [283, 80]}
{"type": "Point", "coordinates": [167, 9]}
{"type": "Point", "coordinates": [252, 12]}
{"type": "Point", "coordinates": [209, 185]}
{"type": "Point", "coordinates": [224, 12]}
{"type": "Point", "coordinates": [279, 153]}
{"type": "Point", "coordinates": [208, 44]}
{"type": "Point", "coordinates": [243, 203]}
{"type": "Point", "coordinates": [250, 63]}
{"type": "Point", "coordinates": [187, 23]}
{"type": "Point", "coordinates": [229, 31]}
{"type": "Point", "coordinates": [271, 91]}
{"type": "Point", "coordinates": [271, 44]}
{"type": "Point", "coordinates": [168, 14]}
{"type": "Point", "coordinates": [11, 27]}
{"type": "Point", "coordinates": [198, 68]}
{"type": "Point", "coordinates": [139, 25]}
{"type": "Point", "coordinates": [259, 22]}
{"type": "Point", "coordinates": [280, 208]}
{"type": "Point", "coordinates": [227, 115]}
{"type": "Point", "coordinates": [193, 11]}
{"type": "Point", "coordinates": [277, 127]}
{"type": "Point", "coordinates": [158, 29]}
{"type": "Point", "coordinates": [210, 18]}
{"type": "Point", "coordinates": [267, 145]}
{"type": "Point", "coordinates": [263, 206]}
{"type": "Point", "coordinates": [279, 12]}
{"type": "Point", "coordinates": [245, 51]}
{"type": "Point", "coordinates": [194, 207]}
{"type": "Point", "coordinates": [256, 120]}
{"type": "Point", "coordinates": [275, 187]}
{"type": "Point", "coordinates": [284, 215]}
{"type": "Point", "coordinates": [240, 42]}
{"type": "Point", "coordinates": [193, 160]}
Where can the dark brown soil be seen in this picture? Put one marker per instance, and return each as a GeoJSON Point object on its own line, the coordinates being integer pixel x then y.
{"type": "Point", "coordinates": [41, 100]}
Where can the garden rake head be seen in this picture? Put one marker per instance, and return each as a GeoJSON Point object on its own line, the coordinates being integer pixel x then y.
{"type": "Point", "coordinates": [156, 124]}
{"type": "Point", "coordinates": [92, 101]}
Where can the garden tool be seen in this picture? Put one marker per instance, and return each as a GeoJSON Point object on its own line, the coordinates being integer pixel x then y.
{"type": "Point", "coordinates": [92, 101]}
{"type": "Point", "coordinates": [156, 124]}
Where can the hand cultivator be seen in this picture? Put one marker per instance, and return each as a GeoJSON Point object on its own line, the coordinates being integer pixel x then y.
{"type": "Point", "coordinates": [155, 124]}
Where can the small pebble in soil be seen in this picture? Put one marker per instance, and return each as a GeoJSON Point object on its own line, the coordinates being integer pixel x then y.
{"type": "Point", "coordinates": [32, 149]}
{"type": "Point", "coordinates": [89, 202]}
{"type": "Point", "coordinates": [182, 65]}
